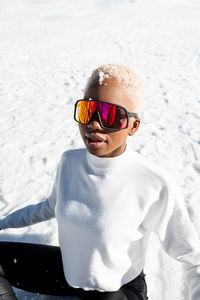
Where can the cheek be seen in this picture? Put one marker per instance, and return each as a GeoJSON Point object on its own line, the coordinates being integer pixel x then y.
{"type": "Point", "coordinates": [81, 130]}
{"type": "Point", "coordinates": [120, 136]}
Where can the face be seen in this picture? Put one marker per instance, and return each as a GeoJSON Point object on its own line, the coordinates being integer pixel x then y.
{"type": "Point", "coordinates": [104, 142]}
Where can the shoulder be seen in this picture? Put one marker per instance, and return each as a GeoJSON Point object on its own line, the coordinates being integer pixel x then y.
{"type": "Point", "coordinates": [79, 152]}
{"type": "Point", "coordinates": [169, 186]}
{"type": "Point", "coordinates": [150, 169]}
{"type": "Point", "coordinates": [73, 156]}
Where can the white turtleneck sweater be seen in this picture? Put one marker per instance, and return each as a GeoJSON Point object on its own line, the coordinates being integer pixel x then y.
{"type": "Point", "coordinates": [106, 209]}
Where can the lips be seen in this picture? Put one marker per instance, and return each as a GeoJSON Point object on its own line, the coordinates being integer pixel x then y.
{"type": "Point", "coordinates": [94, 140]}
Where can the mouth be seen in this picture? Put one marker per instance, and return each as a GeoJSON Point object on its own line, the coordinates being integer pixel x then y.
{"type": "Point", "coordinates": [94, 141]}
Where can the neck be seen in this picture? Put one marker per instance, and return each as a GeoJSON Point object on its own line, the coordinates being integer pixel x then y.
{"type": "Point", "coordinates": [104, 164]}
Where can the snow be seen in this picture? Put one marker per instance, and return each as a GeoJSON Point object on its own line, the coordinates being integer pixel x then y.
{"type": "Point", "coordinates": [102, 76]}
{"type": "Point", "coordinates": [48, 50]}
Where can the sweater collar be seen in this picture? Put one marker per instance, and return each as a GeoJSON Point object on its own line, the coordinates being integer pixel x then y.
{"type": "Point", "coordinates": [104, 164]}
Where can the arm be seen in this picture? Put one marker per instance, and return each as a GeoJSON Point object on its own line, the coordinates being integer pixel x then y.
{"type": "Point", "coordinates": [178, 236]}
{"type": "Point", "coordinates": [33, 214]}
{"type": "Point", "coordinates": [30, 215]}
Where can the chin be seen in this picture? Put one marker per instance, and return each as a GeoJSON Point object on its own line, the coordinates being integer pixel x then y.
{"type": "Point", "coordinates": [96, 152]}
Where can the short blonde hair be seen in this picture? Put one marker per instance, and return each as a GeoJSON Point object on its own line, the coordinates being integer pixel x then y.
{"type": "Point", "coordinates": [126, 77]}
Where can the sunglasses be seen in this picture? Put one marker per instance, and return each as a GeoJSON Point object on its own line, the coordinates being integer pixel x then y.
{"type": "Point", "coordinates": [111, 116]}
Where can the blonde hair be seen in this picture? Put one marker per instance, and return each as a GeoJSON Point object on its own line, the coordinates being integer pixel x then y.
{"type": "Point", "coordinates": [126, 77]}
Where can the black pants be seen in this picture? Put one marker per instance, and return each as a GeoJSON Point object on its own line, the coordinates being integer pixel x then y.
{"type": "Point", "coordinates": [38, 269]}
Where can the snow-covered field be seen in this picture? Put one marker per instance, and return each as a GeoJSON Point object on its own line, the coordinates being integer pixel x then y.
{"type": "Point", "coordinates": [48, 48]}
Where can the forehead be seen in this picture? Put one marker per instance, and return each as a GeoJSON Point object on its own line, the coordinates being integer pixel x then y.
{"type": "Point", "coordinates": [109, 91]}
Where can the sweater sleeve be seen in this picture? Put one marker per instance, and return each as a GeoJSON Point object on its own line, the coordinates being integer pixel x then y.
{"type": "Point", "coordinates": [177, 234]}
{"type": "Point", "coordinates": [33, 214]}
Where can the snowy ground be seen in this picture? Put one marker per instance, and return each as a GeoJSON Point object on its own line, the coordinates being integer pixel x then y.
{"type": "Point", "coordinates": [47, 51]}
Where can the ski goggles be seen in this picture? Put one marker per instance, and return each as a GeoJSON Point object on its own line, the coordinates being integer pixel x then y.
{"type": "Point", "coordinates": [111, 116]}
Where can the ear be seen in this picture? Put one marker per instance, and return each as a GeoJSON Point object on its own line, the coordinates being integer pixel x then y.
{"type": "Point", "coordinates": [135, 126]}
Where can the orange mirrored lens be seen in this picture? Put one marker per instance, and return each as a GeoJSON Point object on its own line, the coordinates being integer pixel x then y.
{"type": "Point", "coordinates": [112, 116]}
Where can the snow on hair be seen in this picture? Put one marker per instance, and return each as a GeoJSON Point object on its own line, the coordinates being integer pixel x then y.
{"type": "Point", "coordinates": [126, 77]}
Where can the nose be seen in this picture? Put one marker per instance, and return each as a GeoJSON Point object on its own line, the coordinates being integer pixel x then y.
{"type": "Point", "coordinates": [95, 121]}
